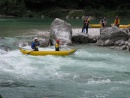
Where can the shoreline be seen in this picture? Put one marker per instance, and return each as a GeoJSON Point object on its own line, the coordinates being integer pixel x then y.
{"type": "Point", "coordinates": [95, 32]}
{"type": "Point", "coordinates": [91, 31]}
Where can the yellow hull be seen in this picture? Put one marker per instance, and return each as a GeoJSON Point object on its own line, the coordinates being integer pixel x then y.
{"type": "Point", "coordinates": [124, 26]}
{"type": "Point", "coordinates": [99, 26]}
{"type": "Point", "coordinates": [43, 53]}
{"type": "Point", "coordinates": [95, 25]}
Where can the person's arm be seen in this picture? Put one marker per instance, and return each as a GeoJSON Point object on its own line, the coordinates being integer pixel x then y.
{"type": "Point", "coordinates": [33, 45]}
{"type": "Point", "coordinates": [84, 22]}
{"type": "Point", "coordinates": [100, 22]}
{"type": "Point", "coordinates": [39, 44]}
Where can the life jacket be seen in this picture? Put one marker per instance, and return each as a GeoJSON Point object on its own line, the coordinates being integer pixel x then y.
{"type": "Point", "coordinates": [116, 21]}
{"type": "Point", "coordinates": [57, 45]}
{"type": "Point", "coordinates": [86, 22]}
{"type": "Point", "coordinates": [104, 20]}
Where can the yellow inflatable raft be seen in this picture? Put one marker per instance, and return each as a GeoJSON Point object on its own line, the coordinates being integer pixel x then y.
{"type": "Point", "coordinates": [124, 26]}
{"type": "Point", "coordinates": [99, 26]}
{"type": "Point", "coordinates": [95, 25]}
{"type": "Point", "coordinates": [43, 53]}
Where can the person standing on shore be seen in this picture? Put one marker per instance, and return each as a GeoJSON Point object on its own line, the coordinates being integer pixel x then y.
{"type": "Point", "coordinates": [85, 25]}
{"type": "Point", "coordinates": [103, 22]}
{"type": "Point", "coordinates": [117, 21]}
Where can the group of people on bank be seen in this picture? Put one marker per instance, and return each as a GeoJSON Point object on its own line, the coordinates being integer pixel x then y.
{"type": "Point", "coordinates": [103, 23]}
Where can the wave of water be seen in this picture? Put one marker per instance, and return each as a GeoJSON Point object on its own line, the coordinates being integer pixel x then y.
{"type": "Point", "coordinates": [92, 72]}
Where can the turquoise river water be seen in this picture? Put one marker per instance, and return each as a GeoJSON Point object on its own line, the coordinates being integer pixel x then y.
{"type": "Point", "coordinates": [92, 72]}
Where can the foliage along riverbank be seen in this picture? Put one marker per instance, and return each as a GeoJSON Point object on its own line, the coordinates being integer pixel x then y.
{"type": "Point", "coordinates": [63, 13]}
{"type": "Point", "coordinates": [54, 8]}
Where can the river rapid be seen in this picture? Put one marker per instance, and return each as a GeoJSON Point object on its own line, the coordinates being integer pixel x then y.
{"type": "Point", "coordinates": [92, 72]}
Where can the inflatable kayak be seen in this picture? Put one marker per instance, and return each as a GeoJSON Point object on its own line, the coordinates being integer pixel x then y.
{"type": "Point", "coordinates": [124, 26]}
{"type": "Point", "coordinates": [95, 25]}
{"type": "Point", "coordinates": [99, 26]}
{"type": "Point", "coordinates": [42, 53]}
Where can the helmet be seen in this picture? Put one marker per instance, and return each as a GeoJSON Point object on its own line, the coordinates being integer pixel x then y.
{"type": "Point", "coordinates": [35, 39]}
{"type": "Point", "coordinates": [57, 40]}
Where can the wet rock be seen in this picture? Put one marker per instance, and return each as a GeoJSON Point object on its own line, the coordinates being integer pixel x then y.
{"type": "Point", "coordinates": [80, 38]}
{"type": "Point", "coordinates": [62, 30]}
{"type": "Point", "coordinates": [112, 47]}
{"type": "Point", "coordinates": [21, 44]}
{"type": "Point", "coordinates": [124, 47]}
{"type": "Point", "coordinates": [128, 47]}
{"type": "Point", "coordinates": [5, 48]}
{"type": "Point", "coordinates": [100, 43]}
{"type": "Point", "coordinates": [126, 43]}
{"type": "Point", "coordinates": [129, 40]}
{"type": "Point", "coordinates": [112, 36]}
{"type": "Point", "coordinates": [109, 43]}
{"type": "Point", "coordinates": [96, 37]}
{"type": "Point", "coordinates": [44, 42]}
{"type": "Point", "coordinates": [118, 42]}
{"type": "Point", "coordinates": [122, 43]}
{"type": "Point", "coordinates": [113, 33]}
{"type": "Point", "coordinates": [125, 30]}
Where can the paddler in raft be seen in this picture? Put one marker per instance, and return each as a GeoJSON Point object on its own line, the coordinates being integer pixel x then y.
{"type": "Point", "coordinates": [57, 45]}
{"type": "Point", "coordinates": [35, 44]}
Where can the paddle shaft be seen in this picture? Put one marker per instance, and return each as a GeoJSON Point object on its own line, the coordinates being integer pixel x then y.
{"type": "Point", "coordinates": [29, 52]}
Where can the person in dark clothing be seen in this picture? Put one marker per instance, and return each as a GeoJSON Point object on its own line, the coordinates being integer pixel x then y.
{"type": "Point", "coordinates": [103, 22]}
{"type": "Point", "coordinates": [35, 44]}
{"type": "Point", "coordinates": [85, 25]}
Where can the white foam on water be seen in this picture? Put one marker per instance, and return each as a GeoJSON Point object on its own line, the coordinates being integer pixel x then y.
{"type": "Point", "coordinates": [31, 67]}
{"type": "Point", "coordinates": [2, 52]}
{"type": "Point", "coordinates": [103, 81]}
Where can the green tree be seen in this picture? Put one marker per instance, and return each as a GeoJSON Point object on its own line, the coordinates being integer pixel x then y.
{"type": "Point", "coordinates": [12, 7]}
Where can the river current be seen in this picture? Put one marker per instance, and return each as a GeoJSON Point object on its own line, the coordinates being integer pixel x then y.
{"type": "Point", "coordinates": [92, 72]}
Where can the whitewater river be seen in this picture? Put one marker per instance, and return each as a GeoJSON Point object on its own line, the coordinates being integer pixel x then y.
{"type": "Point", "coordinates": [92, 72]}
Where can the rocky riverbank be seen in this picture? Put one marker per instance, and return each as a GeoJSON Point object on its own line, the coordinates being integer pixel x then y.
{"type": "Point", "coordinates": [106, 37]}
{"type": "Point", "coordinates": [112, 37]}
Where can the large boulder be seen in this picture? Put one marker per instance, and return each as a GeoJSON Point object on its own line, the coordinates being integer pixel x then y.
{"type": "Point", "coordinates": [44, 42]}
{"type": "Point", "coordinates": [100, 43]}
{"type": "Point", "coordinates": [109, 43]}
{"type": "Point", "coordinates": [80, 38]}
{"type": "Point", "coordinates": [62, 30]}
{"type": "Point", "coordinates": [113, 33]}
{"type": "Point", "coordinates": [112, 36]}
